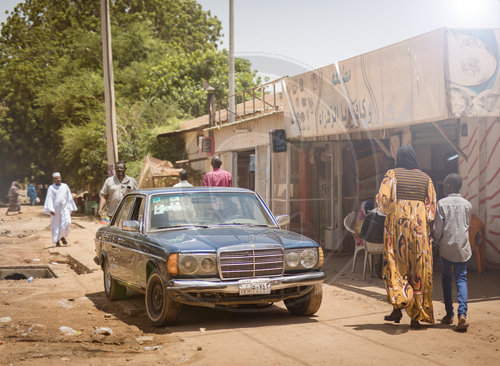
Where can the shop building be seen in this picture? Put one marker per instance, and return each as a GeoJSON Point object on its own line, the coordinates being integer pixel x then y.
{"type": "Point", "coordinates": [342, 124]}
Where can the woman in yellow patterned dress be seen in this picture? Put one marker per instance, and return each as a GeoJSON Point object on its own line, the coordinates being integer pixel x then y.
{"type": "Point", "coordinates": [408, 199]}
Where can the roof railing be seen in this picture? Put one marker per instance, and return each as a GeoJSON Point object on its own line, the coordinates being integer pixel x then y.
{"type": "Point", "coordinates": [246, 100]}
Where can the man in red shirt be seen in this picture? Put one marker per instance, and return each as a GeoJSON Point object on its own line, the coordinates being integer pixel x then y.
{"type": "Point", "coordinates": [217, 177]}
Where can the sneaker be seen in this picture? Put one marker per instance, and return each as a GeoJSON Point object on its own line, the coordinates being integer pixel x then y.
{"type": "Point", "coordinates": [447, 319]}
{"type": "Point", "coordinates": [462, 324]}
{"type": "Point", "coordinates": [64, 241]}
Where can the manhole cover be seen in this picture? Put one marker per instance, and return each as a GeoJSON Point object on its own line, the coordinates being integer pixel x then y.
{"type": "Point", "coordinates": [25, 272]}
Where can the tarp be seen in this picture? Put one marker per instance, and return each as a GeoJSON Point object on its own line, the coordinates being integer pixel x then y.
{"type": "Point", "coordinates": [157, 173]}
{"type": "Point", "coordinates": [401, 84]}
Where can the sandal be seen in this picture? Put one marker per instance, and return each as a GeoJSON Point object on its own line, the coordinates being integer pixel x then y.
{"type": "Point", "coordinates": [395, 316]}
{"type": "Point", "coordinates": [415, 324]}
{"type": "Point", "coordinates": [462, 324]}
{"type": "Point", "coordinates": [447, 319]}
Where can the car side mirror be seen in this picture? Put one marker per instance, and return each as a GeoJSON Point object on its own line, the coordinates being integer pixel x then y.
{"type": "Point", "coordinates": [131, 225]}
{"type": "Point", "coordinates": [283, 220]}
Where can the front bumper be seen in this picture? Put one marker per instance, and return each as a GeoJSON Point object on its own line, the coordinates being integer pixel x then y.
{"type": "Point", "coordinates": [216, 292]}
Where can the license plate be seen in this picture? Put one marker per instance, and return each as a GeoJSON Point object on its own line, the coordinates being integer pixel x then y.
{"type": "Point", "coordinates": [254, 287]}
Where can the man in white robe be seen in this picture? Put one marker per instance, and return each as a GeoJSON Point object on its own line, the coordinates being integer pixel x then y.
{"type": "Point", "coordinates": [59, 204]}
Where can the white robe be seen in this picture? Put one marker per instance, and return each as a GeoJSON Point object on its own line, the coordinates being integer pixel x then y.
{"type": "Point", "coordinates": [60, 201]}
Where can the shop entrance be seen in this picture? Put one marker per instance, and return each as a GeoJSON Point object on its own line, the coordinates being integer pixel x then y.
{"type": "Point", "coordinates": [246, 169]}
{"type": "Point", "coordinates": [435, 155]}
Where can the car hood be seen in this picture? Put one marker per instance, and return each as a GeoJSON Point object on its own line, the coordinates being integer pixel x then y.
{"type": "Point", "coordinates": [212, 238]}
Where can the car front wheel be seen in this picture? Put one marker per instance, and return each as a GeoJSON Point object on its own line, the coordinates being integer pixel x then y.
{"type": "Point", "coordinates": [161, 309]}
{"type": "Point", "coordinates": [112, 289]}
{"type": "Point", "coordinates": [307, 304]}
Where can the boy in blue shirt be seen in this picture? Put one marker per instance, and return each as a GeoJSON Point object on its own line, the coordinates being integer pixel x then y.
{"type": "Point", "coordinates": [451, 226]}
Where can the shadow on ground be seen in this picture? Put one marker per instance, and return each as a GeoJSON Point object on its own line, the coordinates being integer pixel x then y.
{"type": "Point", "coordinates": [132, 312]}
{"type": "Point", "coordinates": [338, 269]}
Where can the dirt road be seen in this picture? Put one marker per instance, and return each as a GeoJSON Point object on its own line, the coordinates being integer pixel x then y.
{"type": "Point", "coordinates": [348, 329]}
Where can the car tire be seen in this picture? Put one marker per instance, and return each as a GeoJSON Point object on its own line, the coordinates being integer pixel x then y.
{"type": "Point", "coordinates": [161, 309]}
{"type": "Point", "coordinates": [112, 289]}
{"type": "Point", "coordinates": [307, 304]}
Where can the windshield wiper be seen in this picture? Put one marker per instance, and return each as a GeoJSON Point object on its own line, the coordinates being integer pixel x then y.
{"type": "Point", "coordinates": [244, 224]}
{"type": "Point", "coordinates": [186, 226]}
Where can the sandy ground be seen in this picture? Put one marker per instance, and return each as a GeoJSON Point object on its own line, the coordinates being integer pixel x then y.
{"type": "Point", "coordinates": [349, 328]}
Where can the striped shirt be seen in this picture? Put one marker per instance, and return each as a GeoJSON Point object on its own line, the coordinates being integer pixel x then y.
{"type": "Point", "coordinates": [411, 184]}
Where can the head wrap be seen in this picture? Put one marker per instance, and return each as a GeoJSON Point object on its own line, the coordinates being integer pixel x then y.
{"type": "Point", "coordinates": [56, 174]}
{"type": "Point", "coordinates": [407, 158]}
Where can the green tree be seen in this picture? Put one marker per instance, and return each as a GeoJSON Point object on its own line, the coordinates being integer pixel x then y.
{"type": "Point", "coordinates": [177, 78]}
{"type": "Point", "coordinates": [52, 114]}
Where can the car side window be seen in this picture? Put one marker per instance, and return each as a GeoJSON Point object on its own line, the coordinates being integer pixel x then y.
{"type": "Point", "coordinates": [124, 212]}
{"type": "Point", "coordinates": [138, 209]}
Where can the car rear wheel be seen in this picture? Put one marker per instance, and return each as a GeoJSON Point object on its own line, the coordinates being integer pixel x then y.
{"type": "Point", "coordinates": [161, 309]}
{"type": "Point", "coordinates": [112, 289]}
{"type": "Point", "coordinates": [307, 304]}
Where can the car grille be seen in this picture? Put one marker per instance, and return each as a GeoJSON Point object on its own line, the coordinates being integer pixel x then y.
{"type": "Point", "coordinates": [250, 262]}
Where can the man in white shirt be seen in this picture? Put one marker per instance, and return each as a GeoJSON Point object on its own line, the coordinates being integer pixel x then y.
{"type": "Point", "coordinates": [59, 204]}
{"type": "Point", "coordinates": [183, 176]}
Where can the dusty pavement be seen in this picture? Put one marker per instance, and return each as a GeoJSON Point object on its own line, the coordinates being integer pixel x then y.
{"type": "Point", "coordinates": [348, 329]}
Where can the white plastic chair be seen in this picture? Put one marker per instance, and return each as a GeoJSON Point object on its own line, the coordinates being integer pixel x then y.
{"type": "Point", "coordinates": [349, 222]}
{"type": "Point", "coordinates": [371, 249]}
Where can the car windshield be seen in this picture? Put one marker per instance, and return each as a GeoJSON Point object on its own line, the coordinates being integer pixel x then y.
{"type": "Point", "coordinates": [187, 209]}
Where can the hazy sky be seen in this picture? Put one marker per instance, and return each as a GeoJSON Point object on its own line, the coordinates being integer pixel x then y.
{"type": "Point", "coordinates": [291, 36]}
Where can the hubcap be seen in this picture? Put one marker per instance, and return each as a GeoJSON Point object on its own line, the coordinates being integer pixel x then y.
{"type": "Point", "coordinates": [157, 297]}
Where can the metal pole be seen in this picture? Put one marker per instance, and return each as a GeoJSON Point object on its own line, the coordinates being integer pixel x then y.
{"type": "Point", "coordinates": [109, 92]}
{"type": "Point", "coordinates": [339, 169]}
{"type": "Point", "coordinates": [287, 179]}
{"type": "Point", "coordinates": [268, 173]}
{"type": "Point", "coordinates": [231, 62]}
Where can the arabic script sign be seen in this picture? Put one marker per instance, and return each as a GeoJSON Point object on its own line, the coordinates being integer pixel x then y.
{"type": "Point", "coordinates": [396, 85]}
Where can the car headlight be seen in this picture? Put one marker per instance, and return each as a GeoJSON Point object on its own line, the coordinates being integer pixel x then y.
{"type": "Point", "coordinates": [207, 264]}
{"type": "Point", "coordinates": [309, 258]}
{"type": "Point", "coordinates": [188, 264]}
{"type": "Point", "coordinates": [301, 258]}
{"type": "Point", "coordinates": [292, 259]}
{"type": "Point", "coordinates": [197, 264]}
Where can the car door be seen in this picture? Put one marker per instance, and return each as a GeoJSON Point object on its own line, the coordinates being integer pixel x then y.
{"type": "Point", "coordinates": [117, 253]}
{"type": "Point", "coordinates": [133, 248]}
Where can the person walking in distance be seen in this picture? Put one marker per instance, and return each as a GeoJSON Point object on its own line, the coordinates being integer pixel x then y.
{"type": "Point", "coordinates": [451, 231]}
{"type": "Point", "coordinates": [217, 177]}
{"type": "Point", "coordinates": [59, 205]}
{"type": "Point", "coordinates": [183, 176]}
{"type": "Point", "coordinates": [14, 204]}
{"type": "Point", "coordinates": [32, 194]}
{"type": "Point", "coordinates": [115, 188]}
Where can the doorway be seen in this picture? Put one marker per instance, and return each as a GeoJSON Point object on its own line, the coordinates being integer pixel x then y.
{"type": "Point", "coordinates": [246, 169]}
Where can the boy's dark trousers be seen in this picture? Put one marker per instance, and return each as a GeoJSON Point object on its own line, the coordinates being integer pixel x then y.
{"type": "Point", "coordinates": [459, 270]}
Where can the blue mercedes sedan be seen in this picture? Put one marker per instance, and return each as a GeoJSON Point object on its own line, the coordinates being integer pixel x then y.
{"type": "Point", "coordinates": [206, 246]}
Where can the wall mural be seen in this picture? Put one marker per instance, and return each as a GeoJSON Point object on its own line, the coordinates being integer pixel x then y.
{"type": "Point", "coordinates": [473, 72]}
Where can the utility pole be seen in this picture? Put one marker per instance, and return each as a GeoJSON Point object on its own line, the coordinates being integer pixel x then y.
{"type": "Point", "coordinates": [232, 103]}
{"type": "Point", "coordinates": [109, 91]}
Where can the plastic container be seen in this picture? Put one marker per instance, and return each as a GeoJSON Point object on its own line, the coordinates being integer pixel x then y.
{"type": "Point", "coordinates": [69, 331]}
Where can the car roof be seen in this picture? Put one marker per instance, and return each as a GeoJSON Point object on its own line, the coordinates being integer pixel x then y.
{"type": "Point", "coordinates": [150, 191]}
